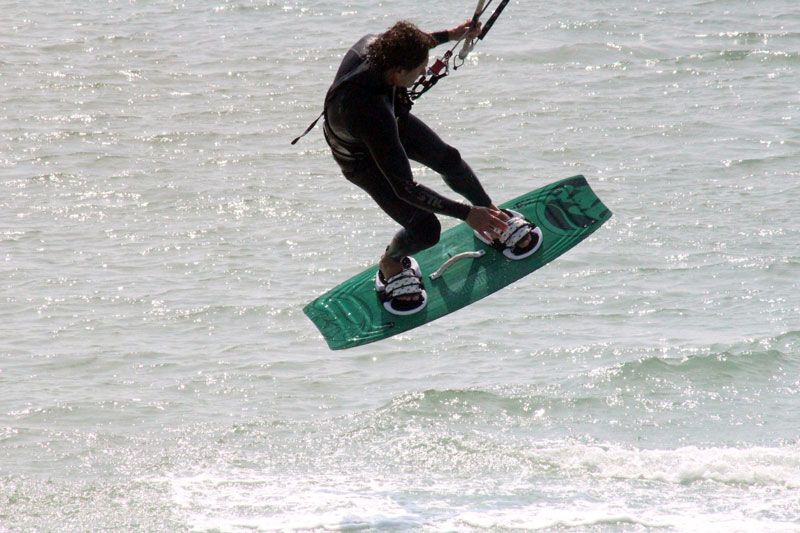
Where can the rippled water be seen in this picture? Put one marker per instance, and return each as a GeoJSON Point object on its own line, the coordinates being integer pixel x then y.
{"type": "Point", "coordinates": [159, 238]}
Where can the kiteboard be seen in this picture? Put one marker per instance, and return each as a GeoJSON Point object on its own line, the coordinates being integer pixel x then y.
{"type": "Point", "coordinates": [461, 269]}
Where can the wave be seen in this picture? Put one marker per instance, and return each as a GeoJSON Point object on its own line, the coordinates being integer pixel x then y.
{"type": "Point", "coordinates": [586, 516]}
{"type": "Point", "coordinates": [568, 53]}
{"type": "Point", "coordinates": [756, 357]}
{"type": "Point", "coordinates": [437, 403]}
{"type": "Point", "coordinates": [536, 518]}
{"type": "Point", "coordinates": [746, 362]}
{"type": "Point", "coordinates": [751, 37]}
{"type": "Point", "coordinates": [735, 55]}
{"type": "Point", "coordinates": [547, 488]}
{"type": "Point", "coordinates": [252, 6]}
{"type": "Point", "coordinates": [753, 466]}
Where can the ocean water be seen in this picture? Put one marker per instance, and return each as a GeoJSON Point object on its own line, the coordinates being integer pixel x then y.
{"type": "Point", "coordinates": [159, 238]}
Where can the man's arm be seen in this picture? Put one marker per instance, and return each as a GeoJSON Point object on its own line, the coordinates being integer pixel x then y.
{"type": "Point", "coordinates": [440, 37]}
{"type": "Point", "coordinates": [454, 34]}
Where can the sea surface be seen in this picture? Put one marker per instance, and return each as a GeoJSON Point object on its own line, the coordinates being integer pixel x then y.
{"type": "Point", "coordinates": [159, 237]}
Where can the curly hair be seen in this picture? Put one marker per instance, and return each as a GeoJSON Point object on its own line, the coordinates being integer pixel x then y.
{"type": "Point", "coordinates": [402, 46]}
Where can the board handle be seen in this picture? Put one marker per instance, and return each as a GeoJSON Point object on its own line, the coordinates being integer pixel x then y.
{"type": "Point", "coordinates": [455, 259]}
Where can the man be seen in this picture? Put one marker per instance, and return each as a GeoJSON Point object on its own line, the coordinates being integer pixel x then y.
{"type": "Point", "coordinates": [372, 134]}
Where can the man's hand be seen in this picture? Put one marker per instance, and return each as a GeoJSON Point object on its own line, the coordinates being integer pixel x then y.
{"type": "Point", "coordinates": [463, 30]}
{"type": "Point", "coordinates": [488, 221]}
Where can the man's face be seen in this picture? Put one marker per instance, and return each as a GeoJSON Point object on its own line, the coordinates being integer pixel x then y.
{"type": "Point", "coordinates": [406, 78]}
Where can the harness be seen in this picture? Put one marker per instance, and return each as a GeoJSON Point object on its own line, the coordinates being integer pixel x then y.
{"type": "Point", "coordinates": [360, 69]}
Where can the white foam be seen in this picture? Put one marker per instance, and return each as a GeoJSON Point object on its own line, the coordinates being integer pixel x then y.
{"type": "Point", "coordinates": [249, 501]}
{"type": "Point", "coordinates": [585, 515]}
{"type": "Point", "coordinates": [560, 484]}
{"type": "Point", "coordinates": [750, 466]}
{"type": "Point", "coordinates": [544, 517]}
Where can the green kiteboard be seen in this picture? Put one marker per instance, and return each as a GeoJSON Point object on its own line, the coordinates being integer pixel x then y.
{"type": "Point", "coordinates": [352, 314]}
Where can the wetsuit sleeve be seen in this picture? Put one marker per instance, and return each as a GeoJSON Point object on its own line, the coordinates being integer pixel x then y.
{"type": "Point", "coordinates": [441, 37]}
{"type": "Point", "coordinates": [374, 124]}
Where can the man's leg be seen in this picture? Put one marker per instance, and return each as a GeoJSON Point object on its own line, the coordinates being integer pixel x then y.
{"type": "Point", "coordinates": [420, 229]}
{"type": "Point", "coordinates": [423, 145]}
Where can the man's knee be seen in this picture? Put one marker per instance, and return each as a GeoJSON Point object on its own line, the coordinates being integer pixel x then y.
{"type": "Point", "coordinates": [451, 160]}
{"type": "Point", "coordinates": [455, 171]}
{"type": "Point", "coordinates": [427, 230]}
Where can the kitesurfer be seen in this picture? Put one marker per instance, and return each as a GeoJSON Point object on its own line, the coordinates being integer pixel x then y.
{"type": "Point", "coordinates": [373, 134]}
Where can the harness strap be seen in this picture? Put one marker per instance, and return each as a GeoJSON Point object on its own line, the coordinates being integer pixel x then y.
{"type": "Point", "coordinates": [309, 128]}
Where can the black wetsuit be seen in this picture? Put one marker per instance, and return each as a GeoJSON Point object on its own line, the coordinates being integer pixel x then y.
{"type": "Point", "coordinates": [372, 135]}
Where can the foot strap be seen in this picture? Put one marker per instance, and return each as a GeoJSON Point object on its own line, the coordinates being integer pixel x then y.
{"type": "Point", "coordinates": [508, 242]}
{"type": "Point", "coordinates": [406, 283]}
{"type": "Point", "coordinates": [517, 229]}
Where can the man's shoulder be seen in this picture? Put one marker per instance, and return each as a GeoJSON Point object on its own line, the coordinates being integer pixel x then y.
{"type": "Point", "coordinates": [363, 43]}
